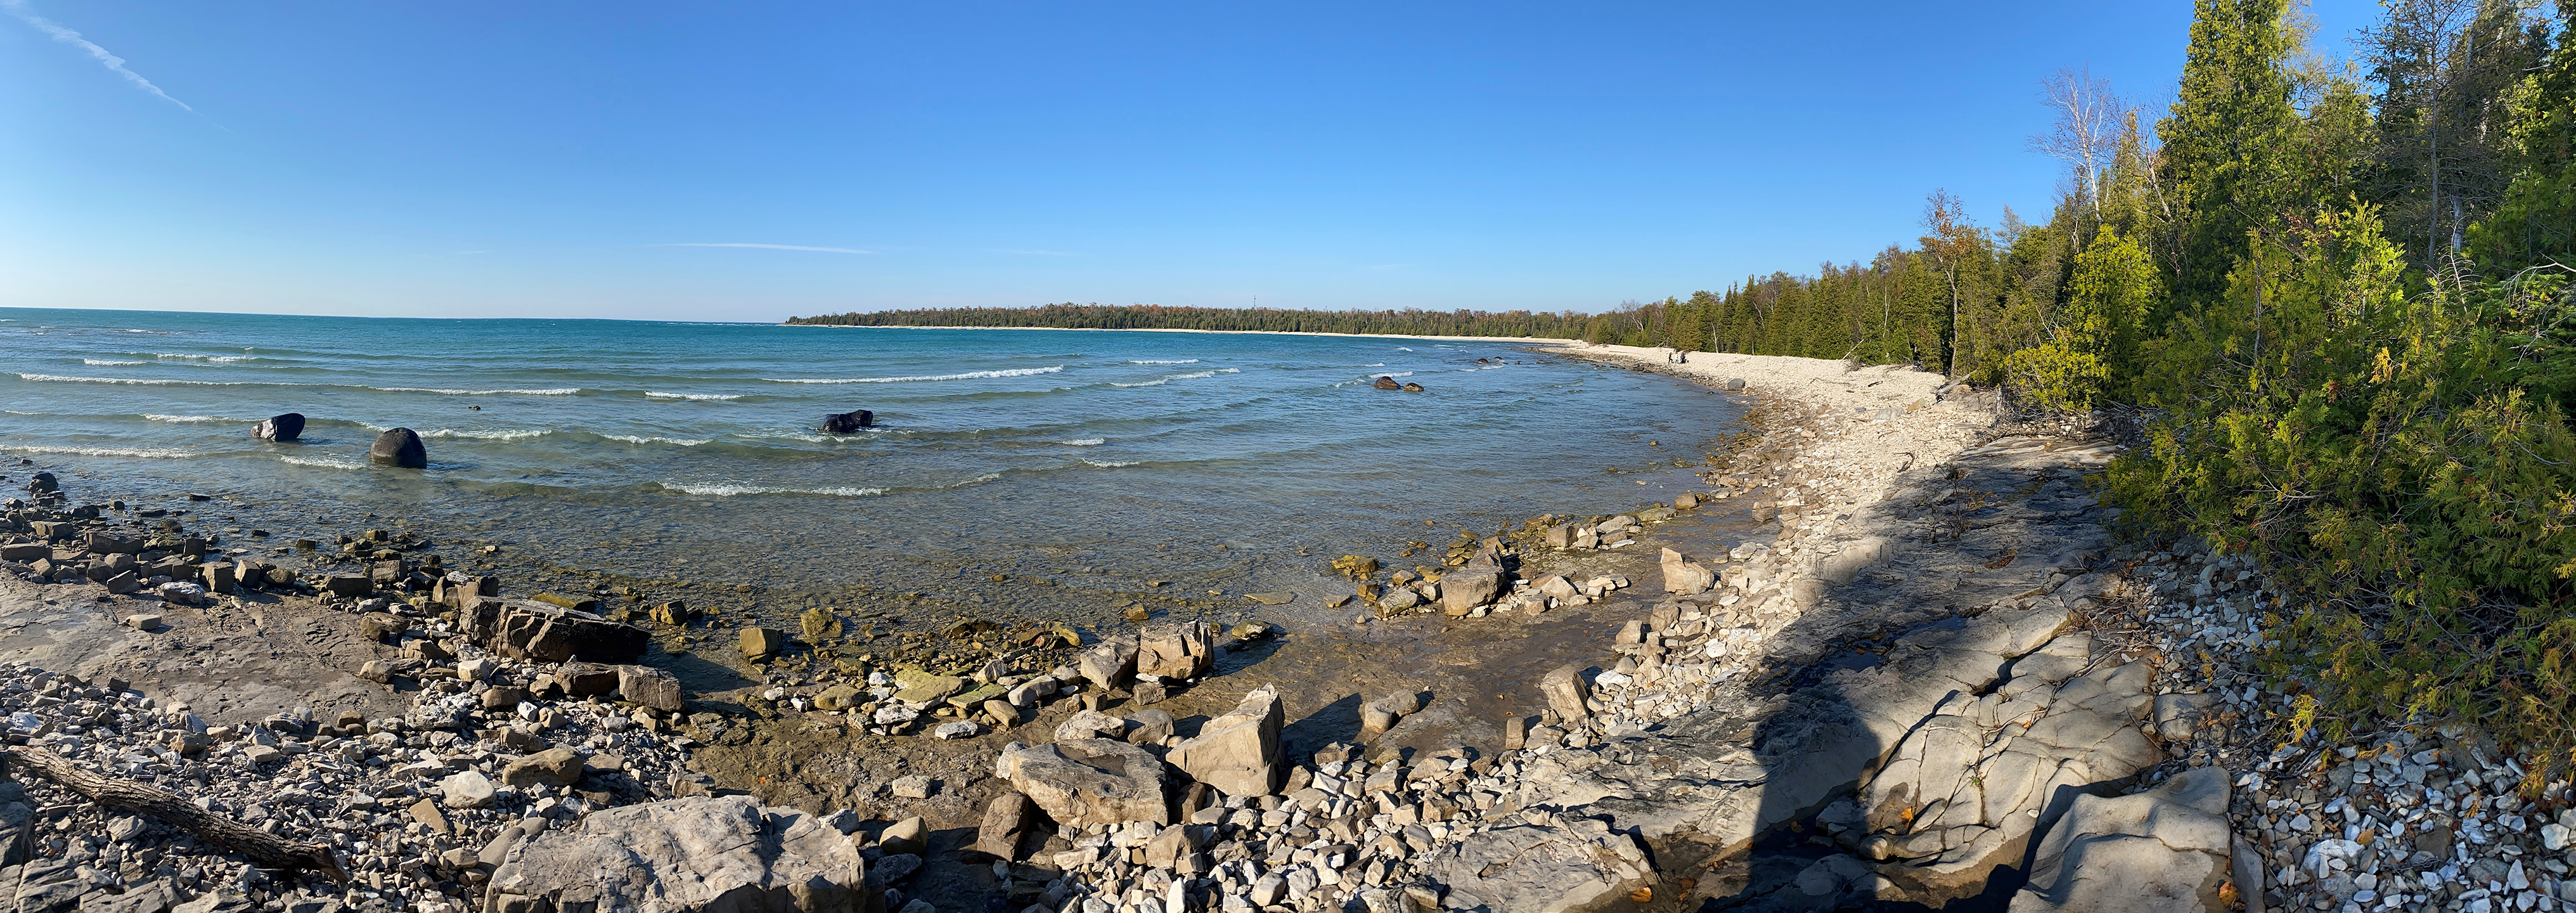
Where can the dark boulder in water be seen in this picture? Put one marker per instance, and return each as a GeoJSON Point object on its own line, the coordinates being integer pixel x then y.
{"type": "Point", "coordinates": [848, 422]}
{"type": "Point", "coordinates": [281, 428]}
{"type": "Point", "coordinates": [399, 447]}
{"type": "Point", "coordinates": [1412, 388]}
{"type": "Point", "coordinates": [1387, 383]}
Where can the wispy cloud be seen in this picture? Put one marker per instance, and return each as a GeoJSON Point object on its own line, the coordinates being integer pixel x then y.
{"type": "Point", "coordinates": [18, 8]}
{"type": "Point", "coordinates": [827, 250]}
{"type": "Point", "coordinates": [1036, 253]}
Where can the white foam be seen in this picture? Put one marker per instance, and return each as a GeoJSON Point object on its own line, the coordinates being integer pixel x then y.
{"type": "Point", "coordinates": [559, 391]}
{"type": "Point", "coordinates": [692, 396]}
{"type": "Point", "coordinates": [970, 375]}
{"type": "Point", "coordinates": [1109, 464]}
{"type": "Point", "coordinates": [632, 439]}
{"type": "Point", "coordinates": [1149, 361]}
{"type": "Point", "coordinates": [1403, 349]}
{"type": "Point", "coordinates": [176, 356]}
{"type": "Point", "coordinates": [322, 463]}
{"type": "Point", "coordinates": [728, 490]}
{"type": "Point", "coordinates": [149, 453]}
{"type": "Point", "coordinates": [978, 480]}
{"type": "Point", "coordinates": [140, 382]}
{"type": "Point", "coordinates": [1085, 442]}
{"type": "Point", "coordinates": [187, 419]}
{"type": "Point", "coordinates": [109, 363]}
{"type": "Point", "coordinates": [506, 435]}
{"type": "Point", "coordinates": [1398, 374]}
{"type": "Point", "coordinates": [1150, 383]}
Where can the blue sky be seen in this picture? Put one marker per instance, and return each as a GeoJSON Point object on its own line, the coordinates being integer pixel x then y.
{"type": "Point", "coordinates": [477, 159]}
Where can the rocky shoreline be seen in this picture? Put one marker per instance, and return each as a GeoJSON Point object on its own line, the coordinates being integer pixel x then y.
{"type": "Point", "coordinates": [1933, 681]}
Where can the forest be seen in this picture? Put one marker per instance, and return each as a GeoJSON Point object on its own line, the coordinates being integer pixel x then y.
{"type": "Point", "coordinates": [1408, 322]}
{"type": "Point", "coordinates": [2330, 289]}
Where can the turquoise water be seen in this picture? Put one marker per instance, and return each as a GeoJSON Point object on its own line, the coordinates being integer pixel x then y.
{"type": "Point", "coordinates": [1087, 460]}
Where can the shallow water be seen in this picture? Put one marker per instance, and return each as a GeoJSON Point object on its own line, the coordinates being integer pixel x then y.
{"type": "Point", "coordinates": [1077, 466]}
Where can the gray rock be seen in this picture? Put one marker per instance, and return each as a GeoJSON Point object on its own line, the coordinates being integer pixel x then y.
{"type": "Point", "coordinates": [1082, 782]}
{"type": "Point", "coordinates": [1684, 576]}
{"type": "Point", "coordinates": [703, 853]}
{"type": "Point", "coordinates": [1238, 753]}
{"type": "Point", "coordinates": [1540, 868]}
{"type": "Point", "coordinates": [1566, 691]}
{"type": "Point", "coordinates": [1006, 818]}
{"type": "Point", "coordinates": [551, 767]}
{"type": "Point", "coordinates": [1462, 591]}
{"type": "Point", "coordinates": [466, 789]}
{"type": "Point", "coordinates": [2162, 851]}
{"type": "Point", "coordinates": [1176, 651]}
{"type": "Point", "coordinates": [910, 836]}
{"type": "Point", "coordinates": [1110, 663]}
{"type": "Point", "coordinates": [1091, 724]}
{"type": "Point", "coordinates": [522, 629]}
{"type": "Point", "coordinates": [2179, 715]}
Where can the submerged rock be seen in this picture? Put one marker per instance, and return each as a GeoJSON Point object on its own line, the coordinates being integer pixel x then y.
{"type": "Point", "coordinates": [284, 427]}
{"type": "Point", "coordinates": [848, 422]}
{"type": "Point", "coordinates": [399, 447]}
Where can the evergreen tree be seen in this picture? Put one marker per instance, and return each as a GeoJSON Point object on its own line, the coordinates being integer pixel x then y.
{"type": "Point", "coordinates": [2536, 221]}
{"type": "Point", "coordinates": [2226, 144]}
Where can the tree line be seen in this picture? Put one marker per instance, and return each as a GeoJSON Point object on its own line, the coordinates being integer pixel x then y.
{"type": "Point", "coordinates": [1629, 324]}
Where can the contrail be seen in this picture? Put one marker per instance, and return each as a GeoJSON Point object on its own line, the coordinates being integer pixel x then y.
{"type": "Point", "coordinates": [112, 62]}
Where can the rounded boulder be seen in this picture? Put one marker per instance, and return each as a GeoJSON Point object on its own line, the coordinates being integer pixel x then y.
{"type": "Point", "coordinates": [399, 447]}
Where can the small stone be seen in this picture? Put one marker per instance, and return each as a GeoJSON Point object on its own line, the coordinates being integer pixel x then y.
{"type": "Point", "coordinates": [910, 835]}
{"type": "Point", "coordinates": [426, 812]}
{"type": "Point", "coordinates": [914, 786]}
{"type": "Point", "coordinates": [761, 645]}
{"type": "Point", "coordinates": [467, 789]}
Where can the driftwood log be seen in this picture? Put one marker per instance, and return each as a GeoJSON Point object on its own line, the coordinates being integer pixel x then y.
{"type": "Point", "coordinates": [170, 808]}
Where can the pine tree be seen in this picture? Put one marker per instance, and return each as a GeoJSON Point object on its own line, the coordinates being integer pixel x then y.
{"type": "Point", "coordinates": [2226, 143]}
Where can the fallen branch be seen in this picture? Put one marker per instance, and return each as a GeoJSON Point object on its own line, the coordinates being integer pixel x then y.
{"type": "Point", "coordinates": [170, 808]}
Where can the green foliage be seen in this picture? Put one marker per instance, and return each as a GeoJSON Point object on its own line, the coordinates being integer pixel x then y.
{"type": "Point", "coordinates": [2228, 142]}
{"type": "Point", "coordinates": [2404, 458]}
{"type": "Point", "coordinates": [2096, 335]}
{"type": "Point", "coordinates": [2536, 223]}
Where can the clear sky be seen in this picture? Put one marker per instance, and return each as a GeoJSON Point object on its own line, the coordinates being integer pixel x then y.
{"type": "Point", "coordinates": [752, 161]}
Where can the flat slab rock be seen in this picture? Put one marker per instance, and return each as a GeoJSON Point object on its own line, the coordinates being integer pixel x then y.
{"type": "Point", "coordinates": [1966, 739]}
{"type": "Point", "coordinates": [703, 854]}
{"type": "Point", "coordinates": [1545, 866]}
{"type": "Point", "coordinates": [2162, 851]}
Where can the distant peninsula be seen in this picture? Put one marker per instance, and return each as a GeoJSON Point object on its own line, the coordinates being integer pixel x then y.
{"type": "Point", "coordinates": [1407, 322]}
